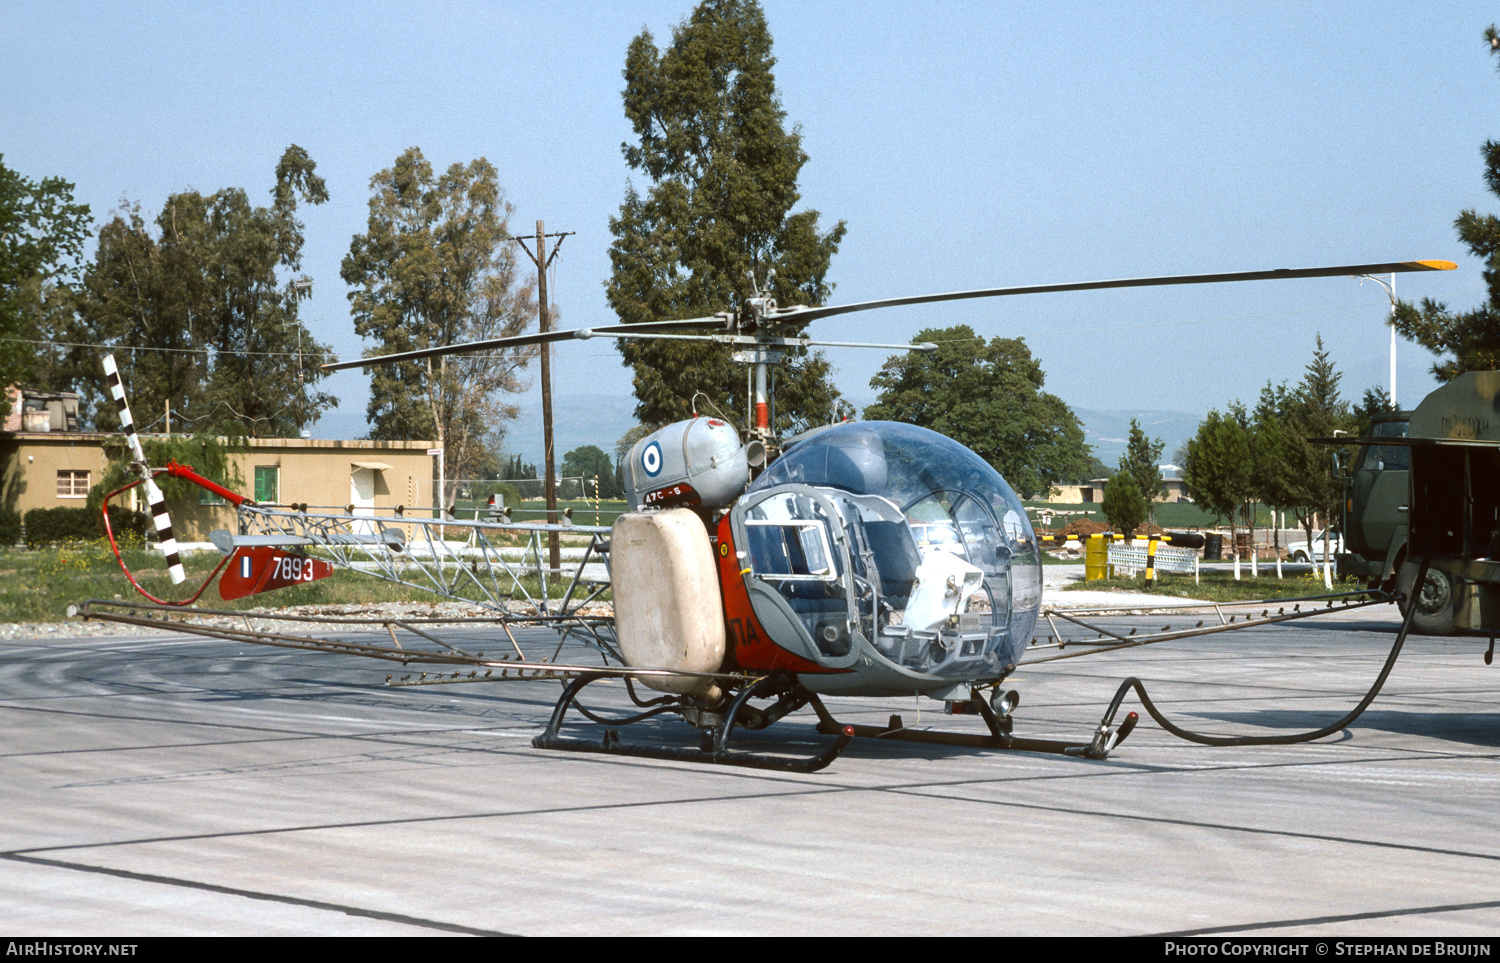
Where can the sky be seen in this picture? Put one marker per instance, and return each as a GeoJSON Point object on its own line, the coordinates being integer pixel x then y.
{"type": "Point", "coordinates": [965, 145]}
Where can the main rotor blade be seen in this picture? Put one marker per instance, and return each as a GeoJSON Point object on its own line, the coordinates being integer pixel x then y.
{"type": "Point", "coordinates": [521, 340]}
{"type": "Point", "coordinates": [803, 315]}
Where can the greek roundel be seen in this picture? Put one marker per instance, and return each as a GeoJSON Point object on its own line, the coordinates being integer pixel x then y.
{"type": "Point", "coordinates": [651, 459]}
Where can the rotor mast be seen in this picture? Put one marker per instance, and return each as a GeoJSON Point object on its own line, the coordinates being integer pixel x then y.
{"type": "Point", "coordinates": [766, 350]}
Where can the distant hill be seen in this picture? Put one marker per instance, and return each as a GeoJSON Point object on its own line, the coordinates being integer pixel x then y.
{"type": "Point", "coordinates": [1108, 431]}
{"type": "Point", "coordinates": [576, 421]}
{"type": "Point", "coordinates": [596, 420]}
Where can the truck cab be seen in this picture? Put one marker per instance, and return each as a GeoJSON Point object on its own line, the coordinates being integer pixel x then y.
{"type": "Point", "coordinates": [1376, 533]}
{"type": "Point", "coordinates": [1374, 523]}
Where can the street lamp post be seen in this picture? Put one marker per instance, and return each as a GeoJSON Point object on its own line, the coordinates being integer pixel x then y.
{"type": "Point", "coordinates": [1390, 292]}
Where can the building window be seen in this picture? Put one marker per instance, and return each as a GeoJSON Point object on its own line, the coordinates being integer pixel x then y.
{"type": "Point", "coordinates": [72, 484]}
{"type": "Point", "coordinates": [206, 497]}
{"type": "Point", "coordinates": [267, 484]}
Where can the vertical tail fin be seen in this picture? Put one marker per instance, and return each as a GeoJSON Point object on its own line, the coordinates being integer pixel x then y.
{"type": "Point", "coordinates": [159, 517]}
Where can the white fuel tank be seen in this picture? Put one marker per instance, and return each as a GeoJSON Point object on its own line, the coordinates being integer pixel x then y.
{"type": "Point", "coordinates": [688, 464]}
{"type": "Point", "coordinates": [669, 613]}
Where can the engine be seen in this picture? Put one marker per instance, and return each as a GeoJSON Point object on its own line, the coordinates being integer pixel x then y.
{"type": "Point", "coordinates": [698, 463]}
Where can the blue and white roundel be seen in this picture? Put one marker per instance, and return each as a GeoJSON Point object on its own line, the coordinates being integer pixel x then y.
{"type": "Point", "coordinates": [651, 459]}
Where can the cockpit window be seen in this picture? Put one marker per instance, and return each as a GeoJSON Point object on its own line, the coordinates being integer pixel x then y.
{"type": "Point", "coordinates": [946, 570]}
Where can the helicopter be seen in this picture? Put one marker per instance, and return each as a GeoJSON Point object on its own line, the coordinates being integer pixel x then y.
{"type": "Point", "coordinates": [857, 559]}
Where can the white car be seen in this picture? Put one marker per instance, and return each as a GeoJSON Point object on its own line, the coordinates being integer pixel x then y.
{"type": "Point", "coordinates": [1298, 551]}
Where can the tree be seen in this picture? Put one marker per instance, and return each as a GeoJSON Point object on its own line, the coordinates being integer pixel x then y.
{"type": "Point", "coordinates": [1124, 506]}
{"type": "Point", "coordinates": [436, 267]}
{"type": "Point", "coordinates": [1216, 471]}
{"type": "Point", "coordinates": [1272, 476]}
{"type": "Point", "coordinates": [1472, 338]}
{"type": "Point", "coordinates": [193, 307]}
{"type": "Point", "coordinates": [632, 435]}
{"type": "Point", "coordinates": [989, 398]}
{"type": "Point", "coordinates": [1317, 411]}
{"type": "Point", "coordinates": [1142, 462]}
{"type": "Point", "coordinates": [711, 137]}
{"type": "Point", "coordinates": [1375, 401]}
{"type": "Point", "coordinates": [515, 468]}
{"type": "Point", "coordinates": [41, 240]}
{"type": "Point", "coordinates": [590, 462]}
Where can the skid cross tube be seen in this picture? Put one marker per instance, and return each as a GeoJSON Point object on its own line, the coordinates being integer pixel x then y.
{"type": "Point", "coordinates": [717, 750]}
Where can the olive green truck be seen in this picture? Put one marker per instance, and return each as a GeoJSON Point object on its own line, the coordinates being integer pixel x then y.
{"type": "Point", "coordinates": [1433, 486]}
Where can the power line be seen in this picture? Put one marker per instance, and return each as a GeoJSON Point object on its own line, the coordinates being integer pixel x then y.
{"type": "Point", "coordinates": [144, 347]}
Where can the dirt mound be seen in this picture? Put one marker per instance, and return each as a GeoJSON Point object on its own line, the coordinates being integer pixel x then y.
{"type": "Point", "coordinates": [1084, 527]}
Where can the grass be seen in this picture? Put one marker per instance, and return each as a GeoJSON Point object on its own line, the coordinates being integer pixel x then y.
{"type": "Point", "coordinates": [39, 585]}
{"type": "Point", "coordinates": [1219, 586]}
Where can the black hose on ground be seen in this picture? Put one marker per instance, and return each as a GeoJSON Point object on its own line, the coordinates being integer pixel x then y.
{"type": "Point", "coordinates": [1328, 730]}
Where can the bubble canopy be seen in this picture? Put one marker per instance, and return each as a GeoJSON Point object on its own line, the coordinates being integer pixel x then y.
{"type": "Point", "coordinates": [955, 507]}
{"type": "Point", "coordinates": [901, 462]}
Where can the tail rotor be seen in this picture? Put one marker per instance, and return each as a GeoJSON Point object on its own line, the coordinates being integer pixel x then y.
{"type": "Point", "coordinates": [159, 517]}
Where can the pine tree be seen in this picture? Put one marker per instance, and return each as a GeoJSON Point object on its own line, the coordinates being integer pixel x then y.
{"type": "Point", "coordinates": [1124, 506]}
{"type": "Point", "coordinates": [1142, 462]}
{"type": "Point", "coordinates": [1318, 411]}
{"type": "Point", "coordinates": [1472, 338]}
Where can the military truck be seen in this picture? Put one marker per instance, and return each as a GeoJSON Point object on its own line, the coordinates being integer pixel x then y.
{"type": "Point", "coordinates": [1454, 439]}
{"type": "Point", "coordinates": [1375, 509]}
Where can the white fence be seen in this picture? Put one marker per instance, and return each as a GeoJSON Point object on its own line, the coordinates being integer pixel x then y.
{"type": "Point", "coordinates": [1130, 559]}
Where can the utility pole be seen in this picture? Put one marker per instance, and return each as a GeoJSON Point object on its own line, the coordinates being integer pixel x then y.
{"type": "Point", "coordinates": [543, 261]}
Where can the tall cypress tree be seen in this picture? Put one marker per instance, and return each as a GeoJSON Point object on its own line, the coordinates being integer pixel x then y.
{"type": "Point", "coordinates": [712, 139]}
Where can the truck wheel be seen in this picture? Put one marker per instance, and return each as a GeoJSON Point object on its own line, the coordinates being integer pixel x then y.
{"type": "Point", "coordinates": [1434, 602]}
{"type": "Point", "coordinates": [1300, 557]}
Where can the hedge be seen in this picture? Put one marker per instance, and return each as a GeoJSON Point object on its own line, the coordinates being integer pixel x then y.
{"type": "Point", "coordinates": [51, 526]}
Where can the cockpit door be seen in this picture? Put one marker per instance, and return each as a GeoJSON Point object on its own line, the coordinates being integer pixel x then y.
{"type": "Point", "coordinates": [798, 573]}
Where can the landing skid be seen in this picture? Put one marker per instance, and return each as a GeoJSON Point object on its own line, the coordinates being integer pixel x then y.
{"type": "Point", "coordinates": [1000, 737]}
{"type": "Point", "coordinates": [715, 742]}
{"type": "Point", "coordinates": [791, 696]}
